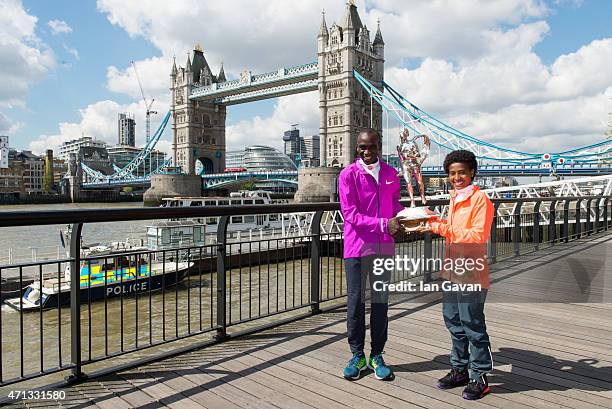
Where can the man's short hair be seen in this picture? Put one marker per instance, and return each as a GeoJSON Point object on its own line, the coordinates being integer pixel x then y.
{"type": "Point", "coordinates": [371, 131]}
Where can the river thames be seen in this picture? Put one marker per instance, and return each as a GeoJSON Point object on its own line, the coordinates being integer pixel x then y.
{"type": "Point", "coordinates": [260, 288]}
{"type": "Point", "coordinates": [20, 244]}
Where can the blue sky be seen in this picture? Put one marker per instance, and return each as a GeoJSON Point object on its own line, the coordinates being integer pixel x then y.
{"type": "Point", "coordinates": [73, 83]}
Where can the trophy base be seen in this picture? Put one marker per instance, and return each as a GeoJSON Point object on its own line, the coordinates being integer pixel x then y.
{"type": "Point", "coordinates": [411, 218]}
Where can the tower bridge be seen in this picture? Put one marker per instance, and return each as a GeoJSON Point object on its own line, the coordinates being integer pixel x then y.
{"type": "Point", "coordinates": [353, 96]}
{"type": "Point", "coordinates": [284, 81]}
{"type": "Point", "coordinates": [200, 98]}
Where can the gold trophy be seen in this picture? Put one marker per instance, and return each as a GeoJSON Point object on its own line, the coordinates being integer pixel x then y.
{"type": "Point", "coordinates": [412, 153]}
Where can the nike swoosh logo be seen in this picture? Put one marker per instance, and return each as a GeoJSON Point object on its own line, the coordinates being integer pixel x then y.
{"type": "Point", "coordinates": [388, 182]}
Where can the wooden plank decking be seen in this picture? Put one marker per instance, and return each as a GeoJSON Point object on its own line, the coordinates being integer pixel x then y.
{"type": "Point", "coordinates": [546, 354]}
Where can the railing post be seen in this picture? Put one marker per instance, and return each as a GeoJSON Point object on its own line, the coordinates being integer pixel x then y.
{"type": "Point", "coordinates": [605, 213]}
{"type": "Point", "coordinates": [493, 236]}
{"type": "Point", "coordinates": [588, 217]}
{"type": "Point", "coordinates": [428, 255]}
{"type": "Point", "coordinates": [221, 279]}
{"type": "Point", "coordinates": [536, 226]}
{"type": "Point", "coordinates": [566, 220]}
{"type": "Point", "coordinates": [315, 258]}
{"type": "Point", "coordinates": [516, 237]}
{"type": "Point", "coordinates": [578, 220]}
{"type": "Point", "coordinates": [552, 227]}
{"type": "Point", "coordinates": [609, 209]}
{"type": "Point", "coordinates": [597, 203]}
{"type": "Point", "coordinates": [75, 303]}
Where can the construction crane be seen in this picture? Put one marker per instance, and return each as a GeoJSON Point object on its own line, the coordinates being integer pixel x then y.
{"type": "Point", "coordinates": [147, 106]}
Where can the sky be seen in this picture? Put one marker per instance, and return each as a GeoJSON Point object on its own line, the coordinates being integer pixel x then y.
{"type": "Point", "coordinates": [533, 75]}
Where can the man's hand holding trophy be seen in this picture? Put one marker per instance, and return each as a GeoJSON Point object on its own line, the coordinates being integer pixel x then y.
{"type": "Point", "coordinates": [412, 153]}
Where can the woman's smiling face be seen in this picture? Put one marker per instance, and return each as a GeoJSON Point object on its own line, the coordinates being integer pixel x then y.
{"type": "Point", "coordinates": [460, 175]}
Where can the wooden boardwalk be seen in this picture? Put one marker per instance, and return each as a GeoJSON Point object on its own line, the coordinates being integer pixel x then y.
{"type": "Point", "coordinates": [548, 316]}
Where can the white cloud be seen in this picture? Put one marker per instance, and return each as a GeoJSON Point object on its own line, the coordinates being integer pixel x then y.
{"type": "Point", "coordinates": [509, 73]}
{"type": "Point", "coordinates": [299, 109]}
{"type": "Point", "coordinates": [154, 74]}
{"type": "Point", "coordinates": [540, 127]}
{"type": "Point", "coordinates": [24, 59]}
{"type": "Point", "coordinates": [515, 100]}
{"type": "Point", "coordinates": [7, 126]}
{"type": "Point", "coordinates": [259, 34]}
{"type": "Point", "coordinates": [571, 3]}
{"type": "Point", "coordinates": [585, 72]}
{"type": "Point", "coordinates": [451, 30]}
{"type": "Point", "coordinates": [100, 121]}
{"type": "Point", "coordinates": [474, 65]}
{"type": "Point", "coordinates": [59, 27]}
{"type": "Point", "coordinates": [72, 51]}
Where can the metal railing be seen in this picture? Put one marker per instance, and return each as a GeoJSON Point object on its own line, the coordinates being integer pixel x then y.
{"type": "Point", "coordinates": [153, 297]}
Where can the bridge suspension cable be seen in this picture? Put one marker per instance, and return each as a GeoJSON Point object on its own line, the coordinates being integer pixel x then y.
{"type": "Point", "coordinates": [445, 136]}
{"type": "Point", "coordinates": [128, 171]}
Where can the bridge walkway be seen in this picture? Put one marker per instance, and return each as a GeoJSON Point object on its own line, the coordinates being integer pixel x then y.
{"type": "Point", "coordinates": [548, 316]}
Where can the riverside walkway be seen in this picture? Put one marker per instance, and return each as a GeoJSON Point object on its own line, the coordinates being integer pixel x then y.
{"type": "Point", "coordinates": [548, 315]}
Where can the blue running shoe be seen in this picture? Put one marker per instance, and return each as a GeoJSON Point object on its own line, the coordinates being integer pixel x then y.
{"type": "Point", "coordinates": [381, 370]}
{"type": "Point", "coordinates": [354, 367]}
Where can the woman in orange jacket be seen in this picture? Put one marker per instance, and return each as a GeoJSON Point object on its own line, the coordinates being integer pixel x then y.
{"type": "Point", "coordinates": [467, 229]}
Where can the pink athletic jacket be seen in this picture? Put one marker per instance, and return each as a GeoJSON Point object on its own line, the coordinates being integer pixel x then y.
{"type": "Point", "coordinates": [366, 208]}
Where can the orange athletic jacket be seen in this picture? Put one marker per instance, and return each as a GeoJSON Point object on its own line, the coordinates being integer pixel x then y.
{"type": "Point", "coordinates": [467, 231]}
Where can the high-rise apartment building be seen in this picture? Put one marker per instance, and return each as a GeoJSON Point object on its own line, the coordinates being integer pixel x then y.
{"type": "Point", "coordinates": [303, 151]}
{"type": "Point", "coordinates": [312, 149]}
{"type": "Point", "coordinates": [126, 130]}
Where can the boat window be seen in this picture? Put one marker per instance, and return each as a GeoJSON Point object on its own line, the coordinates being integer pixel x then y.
{"type": "Point", "coordinates": [235, 202]}
{"type": "Point", "coordinates": [211, 220]}
{"type": "Point", "coordinates": [223, 202]}
{"type": "Point", "coordinates": [248, 201]}
{"type": "Point", "coordinates": [273, 217]}
{"type": "Point", "coordinates": [194, 203]}
{"type": "Point", "coordinates": [236, 219]}
{"type": "Point", "coordinates": [259, 201]}
{"type": "Point", "coordinates": [260, 220]}
{"type": "Point", "coordinates": [124, 262]}
{"type": "Point", "coordinates": [165, 236]}
{"type": "Point", "coordinates": [249, 219]}
{"type": "Point", "coordinates": [197, 234]}
{"type": "Point", "coordinates": [210, 203]}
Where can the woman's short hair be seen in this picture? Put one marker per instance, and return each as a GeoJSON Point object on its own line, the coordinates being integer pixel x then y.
{"type": "Point", "coordinates": [461, 156]}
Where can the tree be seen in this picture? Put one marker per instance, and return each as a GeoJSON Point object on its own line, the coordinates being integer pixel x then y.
{"type": "Point", "coordinates": [48, 176]}
{"type": "Point", "coordinates": [248, 185]}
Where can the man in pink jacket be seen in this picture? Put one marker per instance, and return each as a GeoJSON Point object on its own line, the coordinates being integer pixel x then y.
{"type": "Point", "coordinates": [369, 198]}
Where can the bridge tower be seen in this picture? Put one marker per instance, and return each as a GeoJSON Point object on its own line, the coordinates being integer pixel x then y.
{"type": "Point", "coordinates": [345, 107]}
{"type": "Point", "coordinates": [198, 127]}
